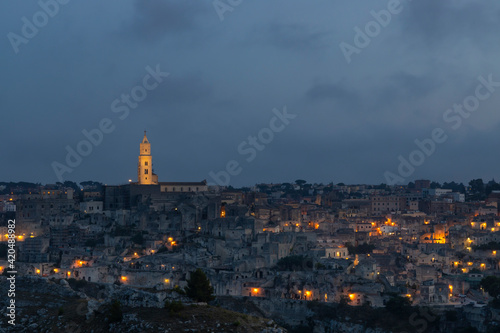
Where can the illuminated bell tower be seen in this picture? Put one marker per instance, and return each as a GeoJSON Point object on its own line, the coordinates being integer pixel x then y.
{"type": "Point", "coordinates": [145, 175]}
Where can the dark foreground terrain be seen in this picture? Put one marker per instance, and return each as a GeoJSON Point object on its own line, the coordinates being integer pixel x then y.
{"type": "Point", "coordinates": [55, 306]}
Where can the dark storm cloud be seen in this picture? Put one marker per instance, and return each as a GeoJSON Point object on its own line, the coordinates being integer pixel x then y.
{"type": "Point", "coordinates": [353, 120]}
{"type": "Point", "coordinates": [412, 86]}
{"type": "Point", "coordinates": [447, 21]}
{"type": "Point", "coordinates": [294, 36]}
{"type": "Point", "coordinates": [338, 93]}
{"type": "Point", "coordinates": [154, 19]}
{"type": "Point", "coordinates": [181, 89]}
{"type": "Point", "coordinates": [322, 91]}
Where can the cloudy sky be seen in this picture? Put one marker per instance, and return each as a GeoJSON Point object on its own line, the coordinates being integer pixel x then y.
{"type": "Point", "coordinates": [228, 67]}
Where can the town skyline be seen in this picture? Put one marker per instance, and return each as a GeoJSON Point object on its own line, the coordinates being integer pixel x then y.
{"type": "Point", "coordinates": [214, 178]}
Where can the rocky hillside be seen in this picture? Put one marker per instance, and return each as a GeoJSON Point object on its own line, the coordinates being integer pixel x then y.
{"type": "Point", "coordinates": [58, 306]}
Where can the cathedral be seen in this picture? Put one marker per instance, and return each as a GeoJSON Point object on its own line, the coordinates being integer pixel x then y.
{"type": "Point", "coordinates": [146, 176]}
{"type": "Point", "coordinates": [147, 186]}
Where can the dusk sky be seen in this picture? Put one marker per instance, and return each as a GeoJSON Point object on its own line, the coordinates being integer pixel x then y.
{"type": "Point", "coordinates": [228, 69]}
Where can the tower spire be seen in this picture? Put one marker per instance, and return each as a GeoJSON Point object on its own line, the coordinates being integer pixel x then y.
{"type": "Point", "coordinates": [145, 173]}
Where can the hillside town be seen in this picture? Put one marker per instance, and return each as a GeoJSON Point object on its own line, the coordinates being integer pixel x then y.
{"type": "Point", "coordinates": [358, 244]}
